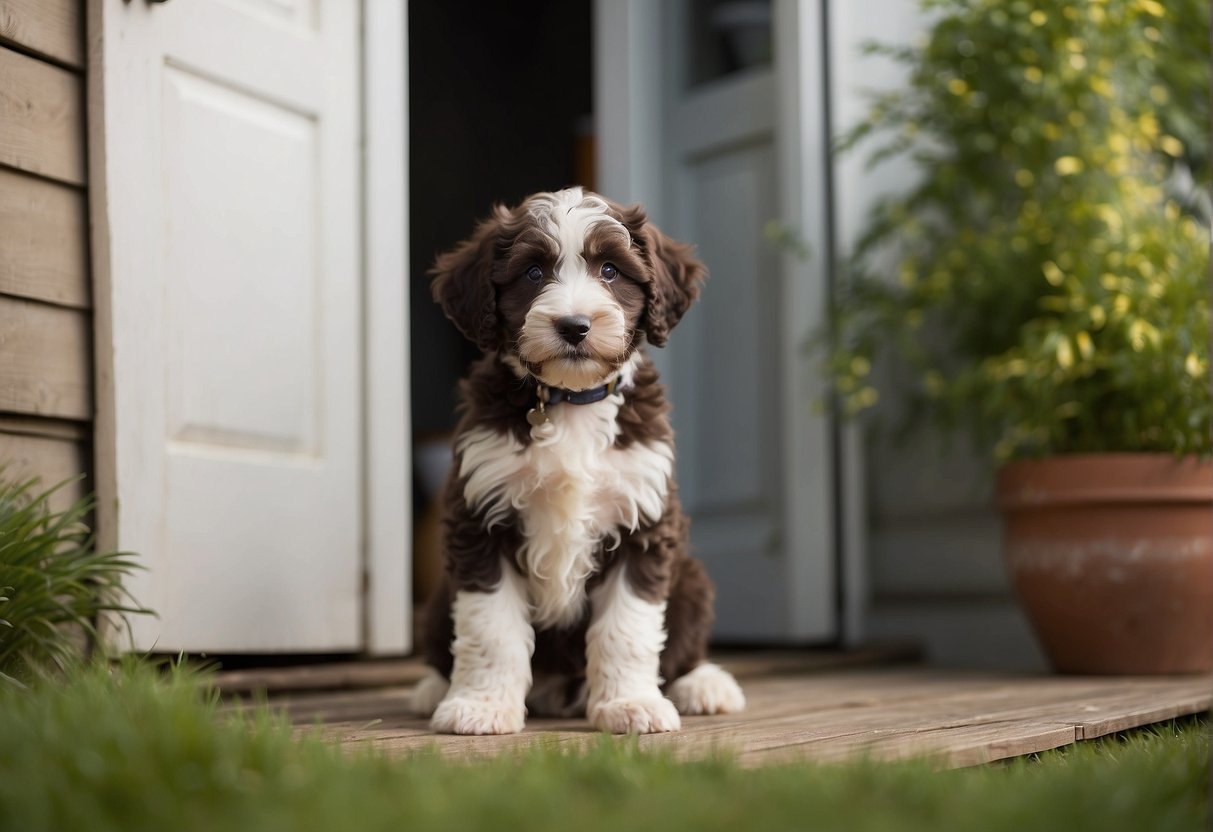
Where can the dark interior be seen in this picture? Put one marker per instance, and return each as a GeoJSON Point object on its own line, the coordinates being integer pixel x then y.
{"type": "Point", "coordinates": [499, 107]}
{"type": "Point", "coordinates": [500, 96]}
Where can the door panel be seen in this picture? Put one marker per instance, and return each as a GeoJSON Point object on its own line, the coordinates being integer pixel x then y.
{"type": "Point", "coordinates": [228, 271]}
{"type": "Point", "coordinates": [730, 193]}
{"type": "Point", "coordinates": [231, 426]}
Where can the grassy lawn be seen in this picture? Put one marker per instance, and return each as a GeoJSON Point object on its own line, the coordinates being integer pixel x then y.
{"type": "Point", "coordinates": [134, 751]}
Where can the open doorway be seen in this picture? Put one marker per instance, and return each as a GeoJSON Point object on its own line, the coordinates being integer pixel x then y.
{"type": "Point", "coordinates": [499, 107]}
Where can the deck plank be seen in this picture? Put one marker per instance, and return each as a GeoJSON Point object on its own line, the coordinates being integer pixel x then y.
{"type": "Point", "coordinates": [957, 718]}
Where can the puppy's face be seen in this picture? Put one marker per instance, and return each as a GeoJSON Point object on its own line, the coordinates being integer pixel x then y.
{"type": "Point", "coordinates": [567, 284]}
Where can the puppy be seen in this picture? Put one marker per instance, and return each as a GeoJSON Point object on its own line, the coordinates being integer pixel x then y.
{"type": "Point", "coordinates": [568, 586]}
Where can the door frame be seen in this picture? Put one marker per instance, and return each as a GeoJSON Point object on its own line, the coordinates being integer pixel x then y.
{"type": "Point", "coordinates": [387, 431]}
{"type": "Point", "coordinates": [386, 535]}
{"type": "Point", "coordinates": [631, 144]}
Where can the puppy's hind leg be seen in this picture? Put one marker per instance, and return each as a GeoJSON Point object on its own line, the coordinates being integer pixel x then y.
{"type": "Point", "coordinates": [424, 698]}
{"type": "Point", "coordinates": [693, 684]}
{"type": "Point", "coordinates": [708, 689]}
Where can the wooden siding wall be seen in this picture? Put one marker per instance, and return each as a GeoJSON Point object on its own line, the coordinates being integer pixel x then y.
{"type": "Point", "coordinates": [46, 399]}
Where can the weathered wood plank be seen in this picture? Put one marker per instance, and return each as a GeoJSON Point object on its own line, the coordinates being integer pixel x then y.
{"type": "Point", "coordinates": [53, 460]}
{"type": "Point", "coordinates": [950, 747]}
{"type": "Point", "coordinates": [41, 118]}
{"type": "Point", "coordinates": [45, 365]}
{"type": "Point", "coordinates": [957, 718]}
{"type": "Point", "coordinates": [328, 676]}
{"type": "Point", "coordinates": [54, 28]}
{"type": "Point", "coordinates": [43, 240]}
{"type": "Point", "coordinates": [45, 428]}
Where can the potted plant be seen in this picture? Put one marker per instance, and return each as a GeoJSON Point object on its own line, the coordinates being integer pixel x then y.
{"type": "Point", "coordinates": [1045, 290]}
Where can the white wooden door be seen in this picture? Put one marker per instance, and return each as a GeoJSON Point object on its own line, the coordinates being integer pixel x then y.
{"type": "Point", "coordinates": [716, 161]}
{"type": "Point", "coordinates": [229, 298]}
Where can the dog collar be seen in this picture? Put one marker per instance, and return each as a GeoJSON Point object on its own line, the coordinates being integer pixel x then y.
{"type": "Point", "coordinates": [546, 395]}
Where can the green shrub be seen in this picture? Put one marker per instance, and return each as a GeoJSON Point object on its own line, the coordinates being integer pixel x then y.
{"type": "Point", "coordinates": [1046, 287]}
{"type": "Point", "coordinates": [53, 581]}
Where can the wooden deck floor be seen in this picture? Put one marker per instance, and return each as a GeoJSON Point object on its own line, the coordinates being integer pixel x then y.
{"type": "Point", "coordinates": [800, 707]}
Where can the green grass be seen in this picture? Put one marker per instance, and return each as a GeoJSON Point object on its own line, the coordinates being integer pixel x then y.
{"type": "Point", "coordinates": [134, 750]}
{"type": "Point", "coordinates": [53, 581]}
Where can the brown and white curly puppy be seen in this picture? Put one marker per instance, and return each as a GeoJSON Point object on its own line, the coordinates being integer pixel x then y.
{"type": "Point", "coordinates": [565, 545]}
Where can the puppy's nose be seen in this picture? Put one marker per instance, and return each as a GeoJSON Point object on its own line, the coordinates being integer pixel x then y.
{"type": "Point", "coordinates": [573, 328]}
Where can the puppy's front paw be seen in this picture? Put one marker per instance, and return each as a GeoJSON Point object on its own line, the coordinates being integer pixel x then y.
{"type": "Point", "coordinates": [644, 715]}
{"type": "Point", "coordinates": [460, 715]}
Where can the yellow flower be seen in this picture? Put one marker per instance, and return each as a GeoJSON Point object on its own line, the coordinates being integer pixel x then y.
{"type": "Point", "coordinates": [1033, 74]}
{"type": "Point", "coordinates": [1038, 18]}
{"type": "Point", "coordinates": [1086, 347]}
{"type": "Point", "coordinates": [860, 366]}
{"type": "Point", "coordinates": [1065, 354]}
{"type": "Point", "coordinates": [1151, 7]}
{"type": "Point", "coordinates": [957, 87]}
{"type": "Point", "coordinates": [865, 398]}
{"type": "Point", "coordinates": [1111, 217]}
{"type": "Point", "coordinates": [1067, 165]}
{"type": "Point", "coordinates": [1098, 316]}
{"type": "Point", "coordinates": [1101, 86]}
{"type": "Point", "coordinates": [1171, 146]}
{"type": "Point", "coordinates": [1078, 63]}
{"type": "Point", "coordinates": [1141, 332]}
{"type": "Point", "coordinates": [1193, 366]}
{"type": "Point", "coordinates": [1053, 273]}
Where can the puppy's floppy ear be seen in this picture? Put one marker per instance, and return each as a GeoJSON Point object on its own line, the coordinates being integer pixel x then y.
{"type": "Point", "coordinates": [676, 274]}
{"type": "Point", "coordinates": [463, 285]}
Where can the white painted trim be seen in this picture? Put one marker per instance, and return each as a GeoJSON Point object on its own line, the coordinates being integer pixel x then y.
{"type": "Point", "coordinates": [627, 88]}
{"type": "Point", "coordinates": [809, 487]}
{"type": "Point", "coordinates": [108, 103]}
{"type": "Point", "coordinates": [386, 452]}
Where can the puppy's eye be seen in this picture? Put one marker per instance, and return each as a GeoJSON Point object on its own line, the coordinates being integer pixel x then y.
{"type": "Point", "coordinates": [534, 274]}
{"type": "Point", "coordinates": [609, 272]}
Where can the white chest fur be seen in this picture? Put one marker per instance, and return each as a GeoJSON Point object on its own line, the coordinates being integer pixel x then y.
{"type": "Point", "coordinates": [573, 492]}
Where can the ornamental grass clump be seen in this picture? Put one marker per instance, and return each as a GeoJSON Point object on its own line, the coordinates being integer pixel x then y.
{"type": "Point", "coordinates": [53, 582]}
{"type": "Point", "coordinates": [1045, 288]}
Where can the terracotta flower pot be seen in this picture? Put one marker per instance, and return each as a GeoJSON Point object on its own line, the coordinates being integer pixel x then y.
{"type": "Point", "coordinates": [1112, 557]}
